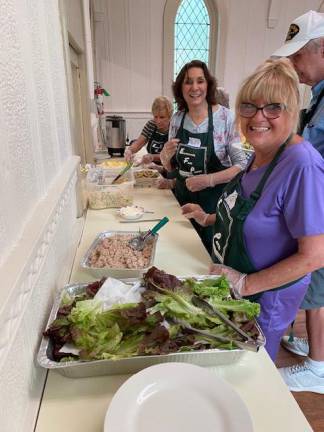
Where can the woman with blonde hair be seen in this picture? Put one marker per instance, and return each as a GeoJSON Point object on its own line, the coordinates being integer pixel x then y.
{"type": "Point", "coordinates": [154, 134]}
{"type": "Point", "coordinates": [269, 221]}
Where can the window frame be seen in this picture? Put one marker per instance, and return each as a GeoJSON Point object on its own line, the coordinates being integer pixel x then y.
{"type": "Point", "coordinates": [170, 12]}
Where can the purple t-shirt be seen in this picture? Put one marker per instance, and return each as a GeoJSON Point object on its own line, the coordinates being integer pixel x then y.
{"type": "Point", "coordinates": [291, 205]}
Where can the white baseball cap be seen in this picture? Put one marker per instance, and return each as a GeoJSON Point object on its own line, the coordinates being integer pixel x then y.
{"type": "Point", "coordinates": [303, 29]}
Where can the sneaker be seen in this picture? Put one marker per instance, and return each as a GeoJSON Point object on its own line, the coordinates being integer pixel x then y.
{"type": "Point", "coordinates": [301, 378]}
{"type": "Point", "coordinates": [297, 346]}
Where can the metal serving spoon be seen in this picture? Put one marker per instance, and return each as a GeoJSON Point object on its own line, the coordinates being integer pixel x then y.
{"type": "Point", "coordinates": [139, 241]}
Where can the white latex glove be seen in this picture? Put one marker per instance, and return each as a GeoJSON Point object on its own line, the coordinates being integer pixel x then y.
{"type": "Point", "coordinates": [168, 152]}
{"type": "Point", "coordinates": [155, 167]}
{"type": "Point", "coordinates": [235, 278]}
{"type": "Point", "coordinates": [194, 211]}
{"type": "Point", "coordinates": [147, 159]}
{"type": "Point", "coordinates": [129, 155]}
{"type": "Point", "coordinates": [198, 183]}
{"type": "Point", "coordinates": [164, 183]}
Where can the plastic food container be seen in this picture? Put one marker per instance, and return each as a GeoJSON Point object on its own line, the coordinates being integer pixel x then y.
{"type": "Point", "coordinates": [102, 194]}
{"type": "Point", "coordinates": [145, 177]}
{"type": "Point", "coordinates": [121, 271]}
{"type": "Point", "coordinates": [81, 369]}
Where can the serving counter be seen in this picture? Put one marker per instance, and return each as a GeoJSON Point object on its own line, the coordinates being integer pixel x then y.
{"type": "Point", "coordinates": [79, 405]}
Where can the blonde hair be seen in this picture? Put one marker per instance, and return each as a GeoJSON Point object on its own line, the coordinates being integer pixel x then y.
{"type": "Point", "coordinates": [162, 103]}
{"type": "Point", "coordinates": [274, 81]}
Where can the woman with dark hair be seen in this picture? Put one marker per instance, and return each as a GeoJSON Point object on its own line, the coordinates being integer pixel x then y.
{"type": "Point", "coordinates": [200, 148]}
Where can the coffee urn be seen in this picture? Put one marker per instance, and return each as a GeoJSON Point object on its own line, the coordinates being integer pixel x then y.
{"type": "Point", "coordinates": [116, 135]}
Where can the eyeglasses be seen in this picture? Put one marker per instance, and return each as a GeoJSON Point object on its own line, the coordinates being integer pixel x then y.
{"type": "Point", "coordinates": [270, 111]}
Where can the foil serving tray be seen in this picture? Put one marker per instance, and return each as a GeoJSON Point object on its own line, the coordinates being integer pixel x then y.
{"type": "Point", "coordinates": [81, 369]}
{"type": "Point", "coordinates": [99, 272]}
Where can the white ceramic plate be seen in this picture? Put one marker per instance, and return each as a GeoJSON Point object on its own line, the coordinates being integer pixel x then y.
{"type": "Point", "coordinates": [136, 214]}
{"type": "Point", "coordinates": [177, 397]}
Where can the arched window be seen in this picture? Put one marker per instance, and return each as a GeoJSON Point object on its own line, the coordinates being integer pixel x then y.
{"type": "Point", "coordinates": [192, 30]}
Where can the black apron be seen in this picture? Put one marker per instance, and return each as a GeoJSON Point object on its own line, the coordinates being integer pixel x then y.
{"type": "Point", "coordinates": [231, 212]}
{"type": "Point", "coordinates": [156, 142]}
{"type": "Point", "coordinates": [195, 155]}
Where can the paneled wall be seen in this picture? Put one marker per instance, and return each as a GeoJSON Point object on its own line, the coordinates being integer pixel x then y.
{"type": "Point", "coordinates": [129, 46]}
{"type": "Point", "coordinates": [128, 40]}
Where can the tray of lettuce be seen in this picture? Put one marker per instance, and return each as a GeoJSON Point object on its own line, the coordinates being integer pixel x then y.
{"type": "Point", "coordinates": [83, 338]}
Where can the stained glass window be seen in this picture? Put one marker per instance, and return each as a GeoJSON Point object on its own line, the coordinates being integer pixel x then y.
{"type": "Point", "coordinates": [192, 26]}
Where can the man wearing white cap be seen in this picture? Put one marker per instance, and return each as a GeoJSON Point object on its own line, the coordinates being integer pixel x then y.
{"type": "Point", "coordinates": [304, 46]}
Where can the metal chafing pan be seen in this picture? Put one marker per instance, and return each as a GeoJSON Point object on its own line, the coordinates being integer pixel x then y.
{"type": "Point", "coordinates": [100, 272]}
{"type": "Point", "coordinates": [80, 369]}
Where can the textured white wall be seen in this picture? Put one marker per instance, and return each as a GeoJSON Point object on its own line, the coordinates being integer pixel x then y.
{"type": "Point", "coordinates": [35, 137]}
{"type": "Point", "coordinates": [38, 226]}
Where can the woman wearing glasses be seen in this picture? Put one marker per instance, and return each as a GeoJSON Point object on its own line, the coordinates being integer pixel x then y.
{"type": "Point", "coordinates": [200, 150]}
{"type": "Point", "coordinates": [269, 222]}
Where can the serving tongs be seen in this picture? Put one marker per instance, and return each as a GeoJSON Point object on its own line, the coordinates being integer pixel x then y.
{"type": "Point", "coordinates": [138, 242]}
{"type": "Point", "coordinates": [246, 345]}
{"type": "Point", "coordinates": [122, 172]}
{"type": "Point", "coordinates": [248, 342]}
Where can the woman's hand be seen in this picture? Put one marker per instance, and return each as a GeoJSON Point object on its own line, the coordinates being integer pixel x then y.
{"type": "Point", "coordinates": [194, 211]}
{"type": "Point", "coordinates": [155, 167]}
{"type": "Point", "coordinates": [147, 159]}
{"type": "Point", "coordinates": [168, 152]}
{"type": "Point", "coordinates": [198, 182]}
{"type": "Point", "coordinates": [235, 278]}
{"type": "Point", "coordinates": [129, 155]}
{"type": "Point", "coordinates": [164, 183]}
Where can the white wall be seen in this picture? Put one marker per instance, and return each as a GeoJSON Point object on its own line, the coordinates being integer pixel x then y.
{"type": "Point", "coordinates": [38, 226]}
{"type": "Point", "coordinates": [129, 46]}
{"type": "Point", "coordinates": [74, 21]}
{"type": "Point", "coordinates": [249, 40]}
{"type": "Point", "coordinates": [34, 129]}
{"type": "Point", "coordinates": [128, 38]}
